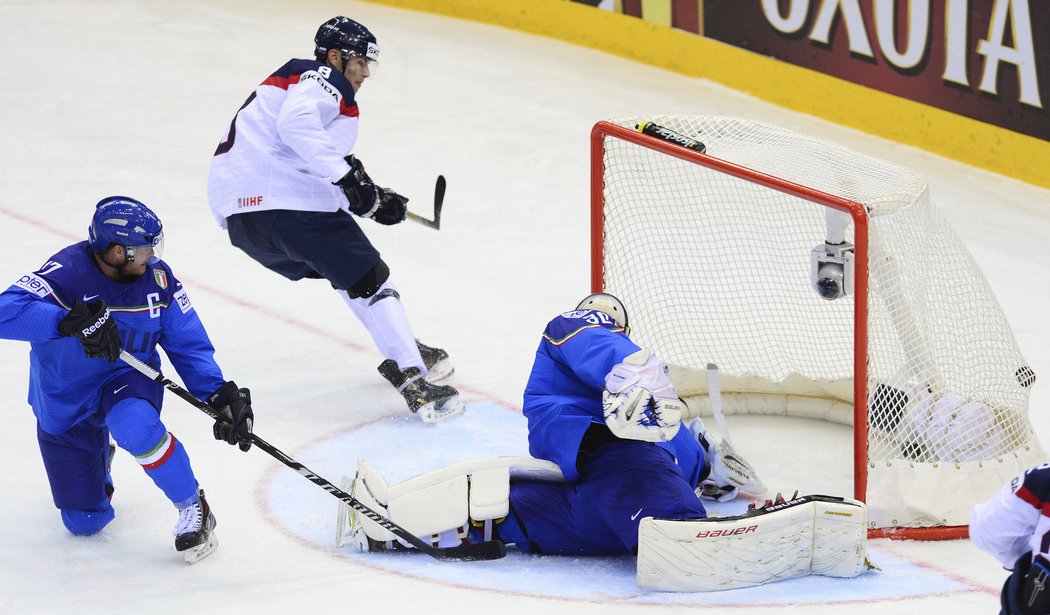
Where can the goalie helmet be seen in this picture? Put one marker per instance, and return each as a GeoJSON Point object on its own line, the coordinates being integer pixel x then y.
{"type": "Point", "coordinates": [609, 304]}
{"type": "Point", "coordinates": [348, 36]}
{"type": "Point", "coordinates": [124, 221]}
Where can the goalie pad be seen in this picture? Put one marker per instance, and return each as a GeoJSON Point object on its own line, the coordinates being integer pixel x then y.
{"type": "Point", "coordinates": [813, 534]}
{"type": "Point", "coordinates": [438, 506]}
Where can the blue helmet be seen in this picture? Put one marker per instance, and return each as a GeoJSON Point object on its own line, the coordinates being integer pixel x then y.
{"type": "Point", "coordinates": [123, 220]}
{"type": "Point", "coordinates": [348, 36]}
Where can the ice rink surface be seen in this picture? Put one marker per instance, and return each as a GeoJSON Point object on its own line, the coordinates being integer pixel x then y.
{"type": "Point", "coordinates": [122, 97]}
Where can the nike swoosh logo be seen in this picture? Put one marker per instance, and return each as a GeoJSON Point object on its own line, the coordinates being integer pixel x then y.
{"type": "Point", "coordinates": [86, 298]}
{"type": "Point", "coordinates": [635, 515]}
{"type": "Point", "coordinates": [115, 391]}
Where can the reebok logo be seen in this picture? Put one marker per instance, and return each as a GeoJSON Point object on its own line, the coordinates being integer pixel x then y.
{"type": "Point", "coordinates": [98, 325]}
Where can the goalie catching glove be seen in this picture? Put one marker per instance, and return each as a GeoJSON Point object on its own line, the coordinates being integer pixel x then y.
{"type": "Point", "coordinates": [729, 473]}
{"type": "Point", "coordinates": [368, 200]}
{"type": "Point", "coordinates": [639, 401]}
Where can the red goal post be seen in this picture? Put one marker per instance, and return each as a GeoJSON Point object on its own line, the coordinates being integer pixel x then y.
{"type": "Point", "coordinates": [735, 222]}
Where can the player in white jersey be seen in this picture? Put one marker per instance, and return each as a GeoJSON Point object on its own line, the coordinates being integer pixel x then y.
{"type": "Point", "coordinates": [283, 185]}
{"type": "Point", "coordinates": [1014, 526]}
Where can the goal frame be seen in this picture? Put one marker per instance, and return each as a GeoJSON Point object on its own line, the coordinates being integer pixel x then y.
{"type": "Point", "coordinates": [859, 215]}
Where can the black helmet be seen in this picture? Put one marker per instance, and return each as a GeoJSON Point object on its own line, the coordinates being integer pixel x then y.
{"type": "Point", "coordinates": [348, 36]}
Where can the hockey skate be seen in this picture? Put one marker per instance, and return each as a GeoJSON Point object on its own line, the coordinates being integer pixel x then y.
{"type": "Point", "coordinates": [431, 402]}
{"type": "Point", "coordinates": [194, 535]}
{"type": "Point", "coordinates": [438, 364]}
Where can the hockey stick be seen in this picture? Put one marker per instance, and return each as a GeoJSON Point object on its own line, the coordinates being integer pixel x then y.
{"type": "Point", "coordinates": [439, 199]}
{"type": "Point", "coordinates": [714, 395]}
{"type": "Point", "coordinates": [492, 549]}
{"type": "Point", "coordinates": [742, 474]}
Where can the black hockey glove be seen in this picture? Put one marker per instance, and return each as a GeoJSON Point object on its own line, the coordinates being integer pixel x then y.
{"type": "Point", "coordinates": [93, 325]}
{"type": "Point", "coordinates": [361, 193]}
{"type": "Point", "coordinates": [235, 405]}
{"type": "Point", "coordinates": [392, 208]}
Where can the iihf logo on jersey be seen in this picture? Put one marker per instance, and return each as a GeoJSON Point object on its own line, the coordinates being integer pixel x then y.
{"type": "Point", "coordinates": [161, 277]}
{"type": "Point", "coordinates": [249, 201]}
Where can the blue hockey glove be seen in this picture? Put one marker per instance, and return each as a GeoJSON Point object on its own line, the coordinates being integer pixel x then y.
{"type": "Point", "coordinates": [361, 193]}
{"type": "Point", "coordinates": [92, 324]}
{"type": "Point", "coordinates": [235, 405]}
{"type": "Point", "coordinates": [392, 207]}
{"type": "Point", "coordinates": [1035, 595]}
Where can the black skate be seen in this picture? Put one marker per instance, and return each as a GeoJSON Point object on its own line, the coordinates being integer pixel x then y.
{"type": "Point", "coordinates": [438, 364]}
{"type": "Point", "coordinates": [193, 533]}
{"type": "Point", "coordinates": [431, 402]}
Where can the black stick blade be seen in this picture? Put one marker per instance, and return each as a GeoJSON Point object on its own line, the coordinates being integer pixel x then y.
{"type": "Point", "coordinates": [483, 551]}
{"type": "Point", "coordinates": [439, 200]}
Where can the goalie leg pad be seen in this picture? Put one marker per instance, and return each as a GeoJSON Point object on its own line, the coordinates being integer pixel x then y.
{"type": "Point", "coordinates": [435, 504]}
{"type": "Point", "coordinates": [806, 535]}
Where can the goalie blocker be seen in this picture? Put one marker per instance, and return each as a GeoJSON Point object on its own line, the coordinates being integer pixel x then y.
{"type": "Point", "coordinates": [813, 534]}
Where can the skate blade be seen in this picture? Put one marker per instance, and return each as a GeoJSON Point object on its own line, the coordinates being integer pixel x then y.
{"type": "Point", "coordinates": [201, 551]}
{"type": "Point", "coordinates": [440, 370]}
{"type": "Point", "coordinates": [431, 413]}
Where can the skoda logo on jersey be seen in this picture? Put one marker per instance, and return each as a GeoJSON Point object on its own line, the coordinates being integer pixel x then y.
{"type": "Point", "coordinates": [161, 277]}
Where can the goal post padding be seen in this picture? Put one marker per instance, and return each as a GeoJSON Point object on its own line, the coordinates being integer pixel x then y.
{"type": "Point", "coordinates": [711, 253]}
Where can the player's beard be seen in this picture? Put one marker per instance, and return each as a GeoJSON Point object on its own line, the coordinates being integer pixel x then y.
{"type": "Point", "coordinates": [126, 275]}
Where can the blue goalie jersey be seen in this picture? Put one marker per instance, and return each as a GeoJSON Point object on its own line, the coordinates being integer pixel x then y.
{"type": "Point", "coordinates": [564, 394]}
{"type": "Point", "coordinates": [65, 386]}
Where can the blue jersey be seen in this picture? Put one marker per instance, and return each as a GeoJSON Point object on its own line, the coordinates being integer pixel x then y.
{"type": "Point", "coordinates": [65, 386]}
{"type": "Point", "coordinates": [564, 393]}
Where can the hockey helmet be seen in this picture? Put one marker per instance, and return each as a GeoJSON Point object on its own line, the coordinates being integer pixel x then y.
{"type": "Point", "coordinates": [124, 221]}
{"type": "Point", "coordinates": [348, 36]}
{"type": "Point", "coordinates": [609, 304]}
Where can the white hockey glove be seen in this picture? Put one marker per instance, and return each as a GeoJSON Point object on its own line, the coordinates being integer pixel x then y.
{"type": "Point", "coordinates": [730, 473]}
{"type": "Point", "coordinates": [639, 402]}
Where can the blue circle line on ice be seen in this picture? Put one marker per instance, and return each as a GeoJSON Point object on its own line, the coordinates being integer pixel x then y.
{"type": "Point", "coordinates": [308, 514]}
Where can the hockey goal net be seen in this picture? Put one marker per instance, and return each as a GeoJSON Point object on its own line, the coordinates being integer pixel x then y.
{"type": "Point", "coordinates": [716, 254]}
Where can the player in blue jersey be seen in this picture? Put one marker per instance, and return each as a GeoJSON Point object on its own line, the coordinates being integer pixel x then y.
{"type": "Point", "coordinates": [605, 411]}
{"type": "Point", "coordinates": [283, 185]}
{"type": "Point", "coordinates": [1014, 526]}
{"type": "Point", "coordinates": [78, 311]}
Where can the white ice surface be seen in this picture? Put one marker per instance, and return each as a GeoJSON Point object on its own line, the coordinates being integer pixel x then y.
{"type": "Point", "coordinates": [122, 97]}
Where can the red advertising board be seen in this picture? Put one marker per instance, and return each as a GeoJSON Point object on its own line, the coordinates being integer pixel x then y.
{"type": "Point", "coordinates": [984, 59]}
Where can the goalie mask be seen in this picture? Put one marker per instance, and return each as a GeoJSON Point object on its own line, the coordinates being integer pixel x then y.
{"type": "Point", "coordinates": [609, 304]}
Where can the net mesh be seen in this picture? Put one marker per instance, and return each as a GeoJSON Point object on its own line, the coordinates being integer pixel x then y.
{"type": "Point", "coordinates": [717, 269]}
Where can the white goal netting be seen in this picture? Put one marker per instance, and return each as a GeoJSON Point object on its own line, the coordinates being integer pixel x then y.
{"type": "Point", "coordinates": [716, 268]}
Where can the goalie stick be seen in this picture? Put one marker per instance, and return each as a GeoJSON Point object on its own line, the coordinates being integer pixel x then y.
{"type": "Point", "coordinates": [439, 199]}
{"type": "Point", "coordinates": [714, 395]}
{"type": "Point", "coordinates": [742, 474]}
{"type": "Point", "coordinates": [492, 549]}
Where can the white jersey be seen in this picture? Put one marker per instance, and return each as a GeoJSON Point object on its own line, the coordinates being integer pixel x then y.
{"type": "Point", "coordinates": [1016, 519]}
{"type": "Point", "coordinates": [286, 144]}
